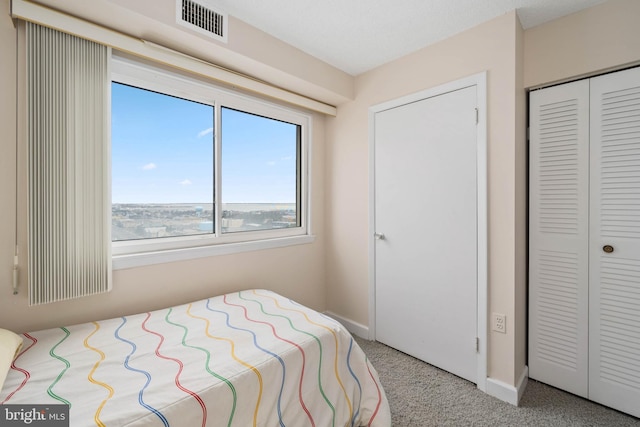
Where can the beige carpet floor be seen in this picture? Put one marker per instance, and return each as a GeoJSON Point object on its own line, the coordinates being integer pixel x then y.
{"type": "Point", "coordinates": [421, 395]}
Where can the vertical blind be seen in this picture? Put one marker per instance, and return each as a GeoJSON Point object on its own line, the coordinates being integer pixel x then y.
{"type": "Point", "coordinates": [69, 233]}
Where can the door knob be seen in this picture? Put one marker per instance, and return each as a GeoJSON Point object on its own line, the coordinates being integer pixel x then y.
{"type": "Point", "coordinates": [607, 248]}
{"type": "Point", "coordinates": [378, 236]}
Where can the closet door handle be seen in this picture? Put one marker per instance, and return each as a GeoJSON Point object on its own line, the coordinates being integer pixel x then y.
{"type": "Point", "coordinates": [607, 248]}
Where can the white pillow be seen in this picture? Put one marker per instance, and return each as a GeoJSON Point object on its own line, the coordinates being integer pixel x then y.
{"type": "Point", "coordinates": [10, 345]}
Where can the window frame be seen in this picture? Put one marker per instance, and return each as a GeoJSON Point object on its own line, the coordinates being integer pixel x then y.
{"type": "Point", "coordinates": [133, 253]}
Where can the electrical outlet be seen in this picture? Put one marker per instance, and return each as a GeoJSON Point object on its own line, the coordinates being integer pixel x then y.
{"type": "Point", "coordinates": [499, 323]}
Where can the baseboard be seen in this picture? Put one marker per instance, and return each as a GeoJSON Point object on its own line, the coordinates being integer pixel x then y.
{"type": "Point", "coordinates": [506, 392]}
{"type": "Point", "coordinates": [355, 328]}
{"type": "Point", "coordinates": [495, 388]}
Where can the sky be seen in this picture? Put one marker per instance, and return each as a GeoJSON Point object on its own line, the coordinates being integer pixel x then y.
{"type": "Point", "coordinates": [162, 152]}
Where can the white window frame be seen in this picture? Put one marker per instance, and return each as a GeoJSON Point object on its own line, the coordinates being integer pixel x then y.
{"type": "Point", "coordinates": [134, 253]}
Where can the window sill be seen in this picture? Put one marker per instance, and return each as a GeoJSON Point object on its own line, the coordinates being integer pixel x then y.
{"type": "Point", "coordinates": [121, 262]}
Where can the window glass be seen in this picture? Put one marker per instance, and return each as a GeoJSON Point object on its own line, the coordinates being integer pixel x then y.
{"type": "Point", "coordinates": [260, 172]}
{"type": "Point", "coordinates": [199, 170]}
{"type": "Point", "coordinates": [162, 165]}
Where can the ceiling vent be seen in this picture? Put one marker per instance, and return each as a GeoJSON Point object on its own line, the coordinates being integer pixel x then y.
{"type": "Point", "coordinates": [201, 18]}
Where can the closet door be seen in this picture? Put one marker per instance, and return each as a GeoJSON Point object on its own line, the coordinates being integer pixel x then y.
{"type": "Point", "coordinates": [614, 309]}
{"type": "Point", "coordinates": [558, 236]}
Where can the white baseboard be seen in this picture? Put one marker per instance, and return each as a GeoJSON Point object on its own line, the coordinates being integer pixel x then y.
{"type": "Point", "coordinates": [506, 392]}
{"type": "Point", "coordinates": [495, 388]}
{"type": "Point", "coordinates": [355, 328]}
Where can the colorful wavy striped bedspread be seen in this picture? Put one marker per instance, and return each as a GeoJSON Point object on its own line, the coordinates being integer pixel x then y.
{"type": "Point", "coordinates": [241, 359]}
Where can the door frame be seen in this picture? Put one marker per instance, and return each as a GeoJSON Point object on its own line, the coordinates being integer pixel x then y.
{"type": "Point", "coordinates": [478, 80]}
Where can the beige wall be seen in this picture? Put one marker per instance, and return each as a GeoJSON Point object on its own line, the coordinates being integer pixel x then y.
{"type": "Point", "coordinates": [248, 50]}
{"type": "Point", "coordinates": [602, 38]}
{"type": "Point", "coordinates": [7, 153]}
{"type": "Point", "coordinates": [596, 40]}
{"type": "Point", "coordinates": [297, 271]}
{"type": "Point", "coordinates": [592, 41]}
{"type": "Point", "coordinates": [494, 47]}
{"type": "Point", "coordinates": [521, 195]}
{"type": "Point", "coordinates": [333, 272]}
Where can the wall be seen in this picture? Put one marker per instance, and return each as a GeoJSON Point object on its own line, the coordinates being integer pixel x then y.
{"type": "Point", "coordinates": [248, 50]}
{"type": "Point", "coordinates": [495, 47]}
{"type": "Point", "coordinates": [595, 40]}
{"type": "Point", "coordinates": [521, 217]}
{"type": "Point", "coordinates": [599, 39]}
{"type": "Point", "coordinates": [297, 272]}
{"type": "Point", "coordinates": [7, 153]}
{"type": "Point", "coordinates": [602, 38]}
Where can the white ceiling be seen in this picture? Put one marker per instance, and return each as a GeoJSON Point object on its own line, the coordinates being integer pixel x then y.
{"type": "Point", "coordinates": [358, 35]}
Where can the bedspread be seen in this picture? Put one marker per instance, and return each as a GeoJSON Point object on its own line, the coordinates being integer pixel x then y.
{"type": "Point", "coordinates": [241, 359]}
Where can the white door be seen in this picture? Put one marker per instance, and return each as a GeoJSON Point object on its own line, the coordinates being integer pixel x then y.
{"type": "Point", "coordinates": [614, 275]}
{"type": "Point", "coordinates": [584, 234]}
{"type": "Point", "coordinates": [559, 236]}
{"type": "Point", "coordinates": [425, 182]}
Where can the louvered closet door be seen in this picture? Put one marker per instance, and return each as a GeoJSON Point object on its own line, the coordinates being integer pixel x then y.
{"type": "Point", "coordinates": [558, 236]}
{"type": "Point", "coordinates": [614, 310]}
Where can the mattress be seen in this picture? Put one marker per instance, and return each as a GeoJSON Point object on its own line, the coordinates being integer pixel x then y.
{"type": "Point", "coordinates": [241, 359]}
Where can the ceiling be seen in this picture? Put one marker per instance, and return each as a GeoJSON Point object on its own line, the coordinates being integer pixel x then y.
{"type": "Point", "coordinates": [359, 35]}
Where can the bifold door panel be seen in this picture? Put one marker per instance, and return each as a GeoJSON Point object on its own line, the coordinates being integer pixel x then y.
{"type": "Point", "coordinates": [559, 236]}
{"type": "Point", "coordinates": [614, 286]}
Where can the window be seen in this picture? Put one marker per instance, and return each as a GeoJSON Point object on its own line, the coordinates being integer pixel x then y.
{"type": "Point", "coordinates": [162, 165]}
{"type": "Point", "coordinates": [196, 166]}
{"type": "Point", "coordinates": [259, 172]}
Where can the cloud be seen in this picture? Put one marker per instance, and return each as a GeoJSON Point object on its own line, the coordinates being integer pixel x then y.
{"type": "Point", "coordinates": [149, 166]}
{"type": "Point", "coordinates": [186, 182]}
{"type": "Point", "coordinates": [286, 158]}
{"type": "Point", "coordinates": [271, 163]}
{"type": "Point", "coordinates": [205, 132]}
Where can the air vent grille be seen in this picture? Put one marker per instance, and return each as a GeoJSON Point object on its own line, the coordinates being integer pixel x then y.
{"type": "Point", "coordinates": [202, 19]}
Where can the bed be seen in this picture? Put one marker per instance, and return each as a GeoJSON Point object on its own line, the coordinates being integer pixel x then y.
{"type": "Point", "coordinates": [250, 358]}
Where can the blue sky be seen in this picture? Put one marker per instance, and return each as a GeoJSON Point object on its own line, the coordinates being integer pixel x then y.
{"type": "Point", "coordinates": [162, 152]}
